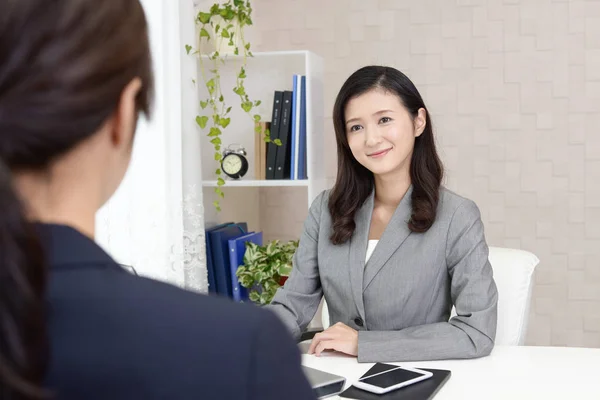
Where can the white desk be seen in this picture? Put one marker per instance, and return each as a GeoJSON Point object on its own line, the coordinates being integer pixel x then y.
{"type": "Point", "coordinates": [509, 373]}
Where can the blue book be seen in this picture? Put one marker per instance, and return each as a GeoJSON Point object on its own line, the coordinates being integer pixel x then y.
{"type": "Point", "coordinates": [210, 270]}
{"type": "Point", "coordinates": [220, 251]}
{"type": "Point", "coordinates": [296, 94]}
{"type": "Point", "coordinates": [302, 167]}
{"type": "Point", "coordinates": [237, 249]}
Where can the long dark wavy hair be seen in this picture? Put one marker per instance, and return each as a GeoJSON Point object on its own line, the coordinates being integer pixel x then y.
{"type": "Point", "coordinates": [63, 67]}
{"type": "Point", "coordinates": [354, 182]}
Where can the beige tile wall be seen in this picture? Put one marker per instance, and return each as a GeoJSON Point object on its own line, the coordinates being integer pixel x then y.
{"type": "Point", "coordinates": [514, 89]}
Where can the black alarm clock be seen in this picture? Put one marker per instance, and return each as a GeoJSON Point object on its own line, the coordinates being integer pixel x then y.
{"type": "Point", "coordinates": [234, 162]}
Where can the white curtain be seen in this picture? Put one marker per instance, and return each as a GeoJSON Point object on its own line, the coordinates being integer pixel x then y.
{"type": "Point", "coordinates": [155, 221]}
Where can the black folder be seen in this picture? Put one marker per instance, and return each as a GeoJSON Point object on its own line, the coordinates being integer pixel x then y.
{"type": "Point", "coordinates": [424, 390]}
{"type": "Point", "coordinates": [275, 123]}
{"type": "Point", "coordinates": [282, 159]}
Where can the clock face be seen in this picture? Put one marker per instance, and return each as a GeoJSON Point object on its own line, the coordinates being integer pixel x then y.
{"type": "Point", "coordinates": [232, 164]}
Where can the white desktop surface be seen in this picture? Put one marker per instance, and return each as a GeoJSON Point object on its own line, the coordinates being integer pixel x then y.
{"type": "Point", "coordinates": [509, 373]}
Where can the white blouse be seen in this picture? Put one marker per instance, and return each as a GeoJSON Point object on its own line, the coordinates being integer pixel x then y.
{"type": "Point", "coordinates": [371, 248]}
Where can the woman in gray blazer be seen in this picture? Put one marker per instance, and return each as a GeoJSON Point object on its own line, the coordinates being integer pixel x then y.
{"type": "Point", "coordinates": [391, 250]}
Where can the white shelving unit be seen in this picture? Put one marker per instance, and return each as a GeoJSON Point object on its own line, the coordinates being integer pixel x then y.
{"type": "Point", "coordinates": [266, 72]}
{"type": "Point", "coordinates": [260, 183]}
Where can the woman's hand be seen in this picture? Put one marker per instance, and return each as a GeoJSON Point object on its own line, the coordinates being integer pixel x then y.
{"type": "Point", "coordinates": [338, 337]}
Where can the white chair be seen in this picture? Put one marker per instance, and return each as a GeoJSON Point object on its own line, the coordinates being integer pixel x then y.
{"type": "Point", "coordinates": [513, 274]}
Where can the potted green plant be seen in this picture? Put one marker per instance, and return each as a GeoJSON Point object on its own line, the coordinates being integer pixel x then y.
{"type": "Point", "coordinates": [266, 268]}
{"type": "Point", "coordinates": [221, 35]}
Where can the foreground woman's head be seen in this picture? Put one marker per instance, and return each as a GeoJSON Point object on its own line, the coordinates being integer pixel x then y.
{"type": "Point", "coordinates": [74, 75]}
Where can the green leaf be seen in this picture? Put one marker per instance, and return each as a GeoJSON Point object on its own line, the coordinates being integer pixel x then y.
{"type": "Point", "coordinates": [228, 110]}
{"type": "Point", "coordinates": [254, 296]}
{"type": "Point", "coordinates": [236, 51]}
{"type": "Point", "coordinates": [238, 3]}
{"type": "Point", "coordinates": [214, 131]}
{"type": "Point", "coordinates": [240, 273]}
{"type": "Point", "coordinates": [194, 81]}
{"type": "Point", "coordinates": [218, 156]}
{"type": "Point", "coordinates": [256, 117]}
{"type": "Point", "coordinates": [216, 141]}
{"type": "Point", "coordinates": [204, 33]}
{"type": "Point", "coordinates": [211, 83]}
{"type": "Point", "coordinates": [285, 269]}
{"type": "Point", "coordinates": [268, 285]}
{"type": "Point", "coordinates": [277, 142]}
{"type": "Point", "coordinates": [188, 48]}
{"type": "Point", "coordinates": [221, 98]}
{"type": "Point", "coordinates": [247, 46]}
{"type": "Point", "coordinates": [225, 33]}
{"type": "Point", "coordinates": [242, 73]}
{"type": "Point", "coordinates": [217, 28]}
{"type": "Point", "coordinates": [218, 172]}
{"type": "Point", "coordinates": [257, 103]}
{"type": "Point", "coordinates": [201, 121]}
{"type": "Point", "coordinates": [220, 182]}
{"type": "Point", "coordinates": [245, 280]}
{"type": "Point", "coordinates": [247, 106]}
{"type": "Point", "coordinates": [203, 104]}
{"type": "Point", "coordinates": [225, 122]}
{"type": "Point", "coordinates": [265, 297]}
{"type": "Point", "coordinates": [204, 17]}
{"type": "Point", "coordinates": [216, 204]}
{"type": "Point", "coordinates": [239, 90]}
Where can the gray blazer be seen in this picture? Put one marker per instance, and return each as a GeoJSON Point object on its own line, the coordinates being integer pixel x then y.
{"type": "Point", "coordinates": [400, 301]}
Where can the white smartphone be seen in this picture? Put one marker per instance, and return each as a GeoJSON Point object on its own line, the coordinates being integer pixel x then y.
{"type": "Point", "coordinates": [392, 379]}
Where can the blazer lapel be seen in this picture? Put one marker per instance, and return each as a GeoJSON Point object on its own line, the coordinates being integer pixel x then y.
{"type": "Point", "coordinates": [358, 251]}
{"type": "Point", "coordinates": [392, 238]}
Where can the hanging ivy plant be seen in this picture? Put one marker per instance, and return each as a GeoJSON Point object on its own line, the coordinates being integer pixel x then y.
{"type": "Point", "coordinates": [223, 25]}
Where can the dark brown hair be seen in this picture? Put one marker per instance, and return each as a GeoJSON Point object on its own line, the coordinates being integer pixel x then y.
{"type": "Point", "coordinates": [63, 67]}
{"type": "Point", "coordinates": [354, 183]}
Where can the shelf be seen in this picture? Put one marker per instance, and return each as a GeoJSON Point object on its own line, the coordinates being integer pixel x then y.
{"type": "Point", "coordinates": [267, 72]}
{"type": "Point", "coordinates": [259, 183]}
{"type": "Point", "coordinates": [259, 54]}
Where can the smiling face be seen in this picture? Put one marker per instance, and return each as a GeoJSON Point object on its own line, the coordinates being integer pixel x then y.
{"type": "Point", "coordinates": [381, 132]}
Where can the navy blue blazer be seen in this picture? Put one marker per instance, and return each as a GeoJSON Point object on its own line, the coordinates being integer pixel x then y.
{"type": "Point", "coordinates": [114, 335]}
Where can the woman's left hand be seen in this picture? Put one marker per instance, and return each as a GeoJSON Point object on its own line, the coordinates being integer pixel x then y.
{"type": "Point", "coordinates": [338, 337]}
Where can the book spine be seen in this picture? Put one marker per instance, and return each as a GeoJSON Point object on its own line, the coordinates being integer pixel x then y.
{"type": "Point", "coordinates": [275, 122]}
{"type": "Point", "coordinates": [282, 165]}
